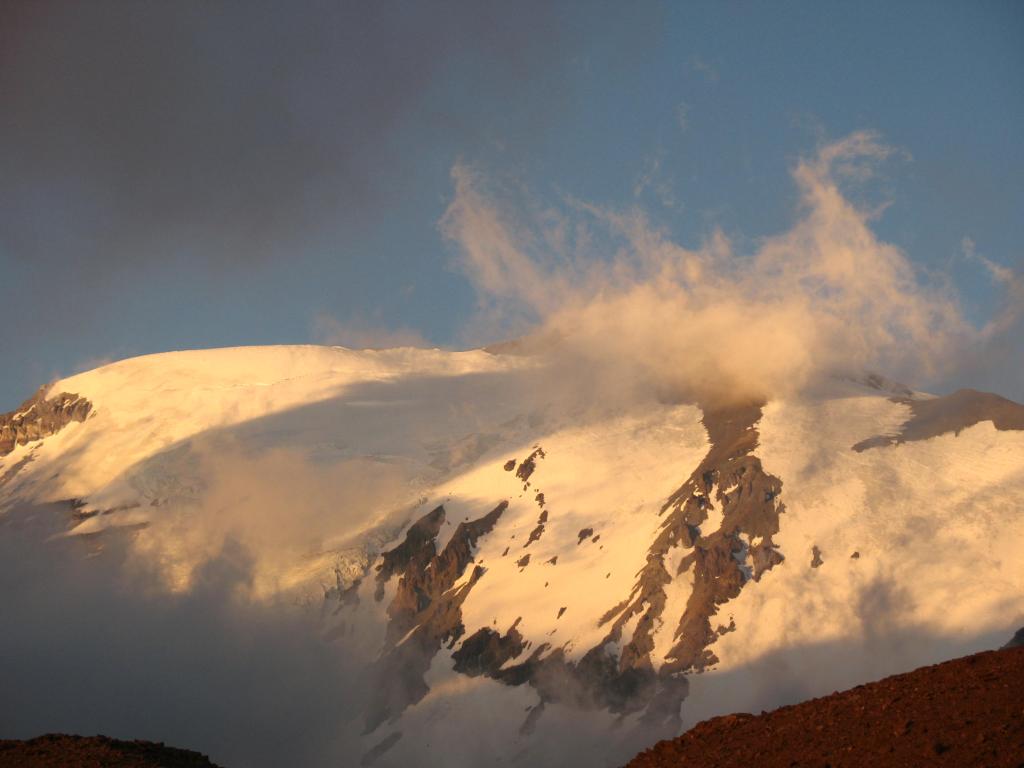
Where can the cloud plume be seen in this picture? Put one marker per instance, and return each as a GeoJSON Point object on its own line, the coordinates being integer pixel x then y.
{"type": "Point", "coordinates": [710, 323]}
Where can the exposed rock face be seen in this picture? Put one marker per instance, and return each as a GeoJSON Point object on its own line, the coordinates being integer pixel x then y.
{"type": "Point", "coordinates": [486, 651]}
{"type": "Point", "coordinates": [529, 464]}
{"type": "Point", "coordinates": [816, 561]}
{"type": "Point", "coordinates": [39, 417]}
{"type": "Point", "coordinates": [732, 478]}
{"type": "Point", "coordinates": [537, 532]}
{"type": "Point", "coordinates": [426, 610]}
{"type": "Point", "coordinates": [952, 413]}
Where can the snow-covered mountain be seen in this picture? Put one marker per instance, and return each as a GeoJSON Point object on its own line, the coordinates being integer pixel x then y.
{"type": "Point", "coordinates": [536, 575]}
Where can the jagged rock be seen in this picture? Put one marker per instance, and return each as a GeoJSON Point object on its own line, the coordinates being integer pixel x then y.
{"type": "Point", "coordinates": [417, 547]}
{"type": "Point", "coordinates": [426, 610]}
{"type": "Point", "coordinates": [537, 532]}
{"type": "Point", "coordinates": [529, 465]}
{"type": "Point", "coordinates": [39, 417]}
{"type": "Point", "coordinates": [764, 557]}
{"type": "Point", "coordinates": [816, 561]}
{"type": "Point", "coordinates": [952, 413]}
{"type": "Point", "coordinates": [733, 477]}
{"type": "Point", "coordinates": [486, 651]}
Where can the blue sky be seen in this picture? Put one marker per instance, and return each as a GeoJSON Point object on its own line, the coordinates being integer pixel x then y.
{"type": "Point", "coordinates": [199, 176]}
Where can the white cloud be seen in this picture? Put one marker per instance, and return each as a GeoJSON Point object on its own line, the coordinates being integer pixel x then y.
{"type": "Point", "coordinates": [826, 295]}
{"type": "Point", "coordinates": [1010, 313]}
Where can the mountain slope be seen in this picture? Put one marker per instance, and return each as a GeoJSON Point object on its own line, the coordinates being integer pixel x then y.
{"type": "Point", "coordinates": [964, 713]}
{"type": "Point", "coordinates": [501, 544]}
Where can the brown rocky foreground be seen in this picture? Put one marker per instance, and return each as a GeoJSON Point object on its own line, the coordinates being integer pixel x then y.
{"type": "Point", "coordinates": [55, 750]}
{"type": "Point", "coordinates": [966, 712]}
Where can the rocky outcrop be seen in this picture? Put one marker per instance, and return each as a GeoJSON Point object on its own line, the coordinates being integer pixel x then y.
{"type": "Point", "coordinates": [40, 417]}
{"type": "Point", "coordinates": [816, 559]}
{"type": "Point", "coordinates": [425, 612]}
{"type": "Point", "coordinates": [731, 481]}
{"type": "Point", "coordinates": [537, 532]}
{"type": "Point", "coordinates": [953, 413]}
{"type": "Point", "coordinates": [486, 651]}
{"type": "Point", "coordinates": [529, 465]}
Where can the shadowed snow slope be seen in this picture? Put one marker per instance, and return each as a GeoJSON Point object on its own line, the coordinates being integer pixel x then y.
{"type": "Point", "coordinates": [527, 573]}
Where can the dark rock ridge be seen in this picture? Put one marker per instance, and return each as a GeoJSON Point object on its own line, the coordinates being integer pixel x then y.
{"type": "Point", "coordinates": [965, 713]}
{"type": "Point", "coordinates": [733, 478]}
{"type": "Point", "coordinates": [426, 610]}
{"type": "Point", "coordinates": [62, 751]}
{"type": "Point", "coordinates": [39, 417]}
{"type": "Point", "coordinates": [952, 413]}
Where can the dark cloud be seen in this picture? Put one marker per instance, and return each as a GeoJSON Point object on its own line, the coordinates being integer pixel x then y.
{"type": "Point", "coordinates": [157, 155]}
{"type": "Point", "coordinates": [231, 131]}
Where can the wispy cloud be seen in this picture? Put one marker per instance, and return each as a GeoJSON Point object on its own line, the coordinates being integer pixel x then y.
{"type": "Point", "coordinates": [654, 180]}
{"type": "Point", "coordinates": [995, 359]}
{"type": "Point", "coordinates": [704, 68]}
{"type": "Point", "coordinates": [824, 296]}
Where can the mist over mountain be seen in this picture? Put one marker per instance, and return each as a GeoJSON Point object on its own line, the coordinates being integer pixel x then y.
{"type": "Point", "coordinates": [316, 555]}
{"type": "Point", "coordinates": [695, 481]}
